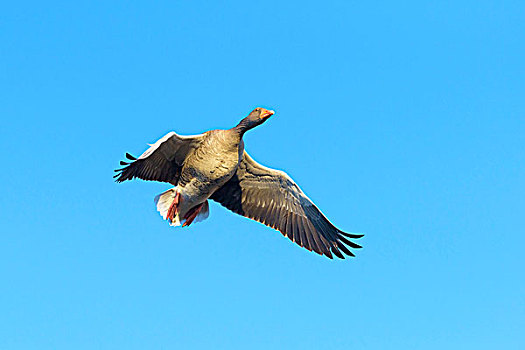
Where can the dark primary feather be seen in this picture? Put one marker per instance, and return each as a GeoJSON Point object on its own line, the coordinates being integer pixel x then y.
{"type": "Point", "coordinates": [162, 161]}
{"type": "Point", "coordinates": [272, 198]}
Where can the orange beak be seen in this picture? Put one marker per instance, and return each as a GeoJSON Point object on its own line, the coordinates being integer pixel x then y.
{"type": "Point", "coordinates": [266, 114]}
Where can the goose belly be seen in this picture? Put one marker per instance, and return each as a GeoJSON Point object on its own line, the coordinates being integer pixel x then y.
{"type": "Point", "coordinates": [202, 175]}
{"type": "Point", "coordinates": [208, 174]}
{"type": "Point", "coordinates": [198, 190]}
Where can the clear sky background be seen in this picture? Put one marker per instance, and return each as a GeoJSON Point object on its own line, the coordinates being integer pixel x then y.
{"type": "Point", "coordinates": [401, 120]}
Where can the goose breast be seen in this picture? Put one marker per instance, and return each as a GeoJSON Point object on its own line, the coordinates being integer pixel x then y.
{"type": "Point", "coordinates": [211, 165]}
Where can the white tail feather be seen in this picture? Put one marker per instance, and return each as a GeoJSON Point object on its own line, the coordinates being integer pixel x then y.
{"type": "Point", "coordinates": [164, 200]}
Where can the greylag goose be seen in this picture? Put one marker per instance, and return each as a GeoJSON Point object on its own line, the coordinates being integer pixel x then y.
{"type": "Point", "coordinates": [214, 165]}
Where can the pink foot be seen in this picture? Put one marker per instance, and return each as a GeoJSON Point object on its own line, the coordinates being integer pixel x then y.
{"type": "Point", "coordinates": [192, 214]}
{"type": "Point", "coordinates": [174, 207]}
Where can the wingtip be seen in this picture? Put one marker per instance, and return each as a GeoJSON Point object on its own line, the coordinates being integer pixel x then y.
{"type": "Point", "coordinates": [348, 242]}
{"type": "Point", "coordinates": [351, 235]}
{"type": "Point", "coordinates": [337, 253]}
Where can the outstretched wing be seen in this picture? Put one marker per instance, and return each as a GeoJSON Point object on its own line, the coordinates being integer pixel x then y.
{"type": "Point", "coordinates": [274, 199]}
{"type": "Point", "coordinates": [162, 161]}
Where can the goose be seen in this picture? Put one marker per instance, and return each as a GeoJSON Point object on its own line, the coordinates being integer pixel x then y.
{"type": "Point", "coordinates": [214, 165]}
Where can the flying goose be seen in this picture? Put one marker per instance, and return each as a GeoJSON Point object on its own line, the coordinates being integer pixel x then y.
{"type": "Point", "coordinates": [214, 165]}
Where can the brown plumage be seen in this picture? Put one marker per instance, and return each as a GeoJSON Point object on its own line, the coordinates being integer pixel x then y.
{"type": "Point", "coordinates": [215, 166]}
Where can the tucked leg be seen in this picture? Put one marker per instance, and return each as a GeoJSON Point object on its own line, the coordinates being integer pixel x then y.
{"type": "Point", "coordinates": [192, 214]}
{"type": "Point", "coordinates": [174, 207]}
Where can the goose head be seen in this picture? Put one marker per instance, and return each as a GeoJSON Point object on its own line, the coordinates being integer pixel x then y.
{"type": "Point", "coordinates": [256, 117]}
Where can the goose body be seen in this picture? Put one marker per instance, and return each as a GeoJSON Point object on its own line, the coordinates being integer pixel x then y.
{"type": "Point", "coordinates": [214, 165]}
{"type": "Point", "coordinates": [204, 171]}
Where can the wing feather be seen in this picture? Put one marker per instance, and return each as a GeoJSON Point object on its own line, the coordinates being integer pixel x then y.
{"type": "Point", "coordinates": [162, 161]}
{"type": "Point", "coordinates": [274, 199]}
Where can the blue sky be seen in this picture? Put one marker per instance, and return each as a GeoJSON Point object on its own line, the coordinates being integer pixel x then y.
{"type": "Point", "coordinates": [402, 120]}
